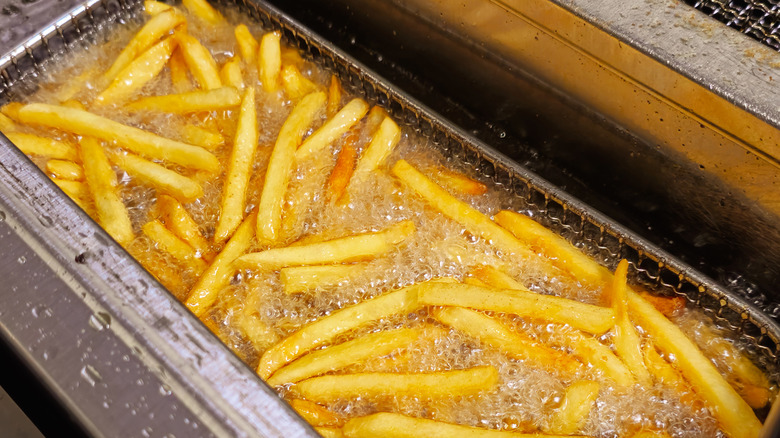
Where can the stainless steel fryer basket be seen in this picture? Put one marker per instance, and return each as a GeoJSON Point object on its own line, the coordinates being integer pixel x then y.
{"type": "Point", "coordinates": [167, 345]}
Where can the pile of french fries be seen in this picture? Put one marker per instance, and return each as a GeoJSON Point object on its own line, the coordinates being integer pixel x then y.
{"type": "Point", "coordinates": [352, 270]}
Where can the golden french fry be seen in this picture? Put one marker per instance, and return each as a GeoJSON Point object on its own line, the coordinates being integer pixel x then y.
{"type": "Point", "coordinates": [72, 103]}
{"type": "Point", "coordinates": [199, 61]}
{"type": "Point", "coordinates": [41, 146]}
{"type": "Point", "coordinates": [334, 96]}
{"type": "Point", "coordinates": [270, 61]}
{"type": "Point", "coordinates": [625, 338]}
{"type": "Point", "coordinates": [592, 352]}
{"type": "Point", "coordinates": [66, 93]}
{"type": "Point", "coordinates": [668, 306]}
{"type": "Point", "coordinates": [155, 29]}
{"type": "Point", "coordinates": [734, 415]}
{"type": "Point", "coordinates": [170, 243]}
{"type": "Point", "coordinates": [651, 434]}
{"type": "Point", "coordinates": [343, 170]}
{"type": "Point", "coordinates": [231, 74]}
{"type": "Point", "coordinates": [339, 356]}
{"type": "Point", "coordinates": [563, 254]}
{"type": "Point", "coordinates": [374, 119]}
{"type": "Point", "coordinates": [11, 110]}
{"type": "Point", "coordinates": [101, 179]}
{"type": "Point", "coordinates": [180, 76]}
{"type": "Point", "coordinates": [203, 9]}
{"type": "Point", "coordinates": [315, 414]}
{"type": "Point", "coordinates": [154, 8]}
{"type": "Point", "coordinates": [137, 73]}
{"type": "Point", "coordinates": [77, 191]}
{"type": "Point", "coordinates": [740, 367]}
{"type": "Point", "coordinates": [342, 321]}
{"type": "Point", "coordinates": [190, 102]}
{"type": "Point", "coordinates": [280, 166]}
{"type": "Point", "coordinates": [218, 274]}
{"type": "Point", "coordinates": [259, 333]}
{"type": "Point", "coordinates": [575, 408]}
{"type": "Point", "coordinates": [329, 432]}
{"type": "Point", "coordinates": [515, 345]}
{"type": "Point", "coordinates": [496, 278]}
{"type": "Point", "coordinates": [247, 44]}
{"type": "Point", "coordinates": [202, 137]}
{"type": "Point", "coordinates": [6, 125]}
{"type": "Point", "coordinates": [663, 372]}
{"type": "Point", "coordinates": [333, 128]}
{"type": "Point", "coordinates": [139, 141]}
{"type": "Point", "coordinates": [182, 225]}
{"type": "Point", "coordinates": [345, 249]}
{"type": "Point", "coordinates": [473, 220]}
{"type": "Point", "coordinates": [164, 180]}
{"type": "Point", "coordinates": [291, 56]}
{"type": "Point", "coordinates": [385, 139]}
{"type": "Point", "coordinates": [239, 169]}
{"type": "Point", "coordinates": [65, 169]}
{"type": "Point", "coordinates": [295, 84]}
{"type": "Point", "coordinates": [587, 317]}
{"type": "Point", "coordinates": [448, 384]}
{"type": "Point", "coordinates": [300, 279]}
{"type": "Point", "coordinates": [460, 183]}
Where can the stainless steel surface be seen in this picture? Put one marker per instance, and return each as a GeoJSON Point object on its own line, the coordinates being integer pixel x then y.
{"type": "Point", "coordinates": [760, 19]}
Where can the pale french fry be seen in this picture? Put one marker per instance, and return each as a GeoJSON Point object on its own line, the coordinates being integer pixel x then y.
{"type": "Point", "coordinates": [594, 353]}
{"type": "Point", "coordinates": [314, 414]}
{"type": "Point", "coordinates": [460, 183]}
{"type": "Point", "coordinates": [343, 170]}
{"type": "Point", "coordinates": [524, 303]}
{"type": "Point", "coordinates": [448, 384]}
{"type": "Point", "coordinates": [575, 408]}
{"type": "Point", "coordinates": [231, 74]}
{"type": "Point", "coordinates": [202, 137]}
{"type": "Point", "coordinates": [339, 356]}
{"type": "Point", "coordinates": [280, 166]}
{"type": "Point", "coordinates": [374, 119]}
{"type": "Point", "coordinates": [64, 169]}
{"type": "Point", "coordinates": [473, 220]}
{"type": "Point", "coordinates": [72, 103]}
{"type": "Point", "coordinates": [334, 97]}
{"type": "Point", "coordinates": [32, 144]}
{"type": "Point", "coordinates": [734, 415]}
{"type": "Point", "coordinates": [343, 250]}
{"type": "Point", "coordinates": [164, 180]}
{"type": "Point", "coordinates": [342, 321]}
{"type": "Point", "coordinates": [190, 102]}
{"type": "Point", "coordinates": [333, 128]}
{"type": "Point", "coordinates": [139, 141]}
{"type": "Point", "coordinates": [496, 278]}
{"type": "Point", "coordinates": [270, 61]}
{"type": "Point", "coordinates": [66, 93]}
{"type": "Point", "coordinates": [203, 9]}
{"type": "Point", "coordinates": [153, 7]}
{"type": "Point", "coordinates": [329, 432]}
{"type": "Point", "coordinates": [663, 372]}
{"type": "Point", "coordinates": [385, 139]}
{"type": "Point", "coordinates": [6, 125]}
{"type": "Point", "coordinates": [387, 425]}
{"type": "Point", "coordinates": [154, 30]}
{"type": "Point", "coordinates": [239, 169]}
{"type": "Point", "coordinates": [199, 61]}
{"type": "Point", "coordinates": [218, 274]}
{"type": "Point", "coordinates": [180, 76]}
{"type": "Point", "coordinates": [300, 279]}
{"type": "Point", "coordinates": [515, 345]}
{"type": "Point", "coordinates": [138, 73]}
{"type": "Point", "coordinates": [182, 225]}
{"type": "Point", "coordinates": [247, 44]}
{"type": "Point", "coordinates": [562, 253]}
{"type": "Point", "coordinates": [260, 334]}
{"type": "Point", "coordinates": [166, 241]}
{"type": "Point", "coordinates": [625, 337]}
{"type": "Point", "coordinates": [295, 84]}
{"type": "Point", "coordinates": [101, 179]}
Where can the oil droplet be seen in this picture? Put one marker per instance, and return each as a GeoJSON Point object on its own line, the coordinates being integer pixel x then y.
{"type": "Point", "coordinates": [91, 375]}
{"type": "Point", "coordinates": [100, 321]}
{"type": "Point", "coordinates": [2, 216]}
{"type": "Point", "coordinates": [21, 260]}
{"type": "Point", "coordinates": [165, 389]}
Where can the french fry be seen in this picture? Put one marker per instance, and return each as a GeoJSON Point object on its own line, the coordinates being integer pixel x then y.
{"type": "Point", "coordinates": [218, 274]}
{"type": "Point", "coordinates": [524, 303]}
{"type": "Point", "coordinates": [329, 432]}
{"type": "Point", "coordinates": [575, 408]}
{"type": "Point", "coordinates": [314, 414]}
{"type": "Point", "coordinates": [138, 73]}
{"type": "Point", "coordinates": [562, 253]}
{"type": "Point", "coordinates": [343, 170]}
{"type": "Point", "coordinates": [190, 102]}
{"type": "Point", "coordinates": [270, 61]}
{"type": "Point", "coordinates": [515, 345]}
{"type": "Point", "coordinates": [460, 183]}
{"type": "Point", "coordinates": [496, 278]}
{"type": "Point", "coordinates": [343, 250]}
{"type": "Point", "coordinates": [374, 119]}
{"type": "Point", "coordinates": [72, 103]}
{"type": "Point", "coordinates": [101, 179]}
{"type": "Point", "coordinates": [203, 9]}
{"type": "Point", "coordinates": [473, 220]}
{"type": "Point", "coordinates": [300, 279]}
{"type": "Point", "coordinates": [339, 356]}
{"type": "Point", "coordinates": [231, 74]}
{"type": "Point", "coordinates": [145, 143]}
{"type": "Point", "coordinates": [448, 384]}
{"type": "Point", "coordinates": [69, 90]}
{"type": "Point", "coordinates": [651, 434]}
{"type": "Point", "coordinates": [182, 225]}
{"type": "Point", "coordinates": [625, 338]}
{"type": "Point", "coordinates": [153, 7]}
{"type": "Point", "coordinates": [383, 142]}
{"type": "Point", "coordinates": [32, 144]}
{"type": "Point", "coordinates": [153, 31]}
{"type": "Point", "coordinates": [260, 334]}
{"type": "Point", "coordinates": [592, 352]}
{"type": "Point", "coordinates": [741, 368]}
{"type": "Point", "coordinates": [199, 61]}
{"type": "Point", "coordinates": [295, 84]}
{"type": "Point", "coordinates": [734, 415]}
{"type": "Point", "coordinates": [247, 44]}
{"type": "Point", "coordinates": [11, 110]}
{"type": "Point", "coordinates": [280, 166]}
{"type": "Point", "coordinates": [180, 76]}
{"type": "Point", "coordinates": [663, 372]}
{"type": "Point", "coordinates": [668, 306]}
{"type": "Point", "coordinates": [327, 329]}
{"type": "Point", "coordinates": [334, 96]}
{"type": "Point", "coordinates": [164, 180]}
{"type": "Point", "coordinates": [166, 241]}
{"type": "Point", "coordinates": [202, 137]}
{"type": "Point", "coordinates": [473, 281]}
{"type": "Point", "coordinates": [6, 125]}
{"type": "Point", "coordinates": [77, 191]}
{"type": "Point", "coordinates": [291, 56]}
{"type": "Point", "coordinates": [64, 169]}
{"type": "Point", "coordinates": [333, 128]}
{"type": "Point", "coordinates": [239, 169]}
